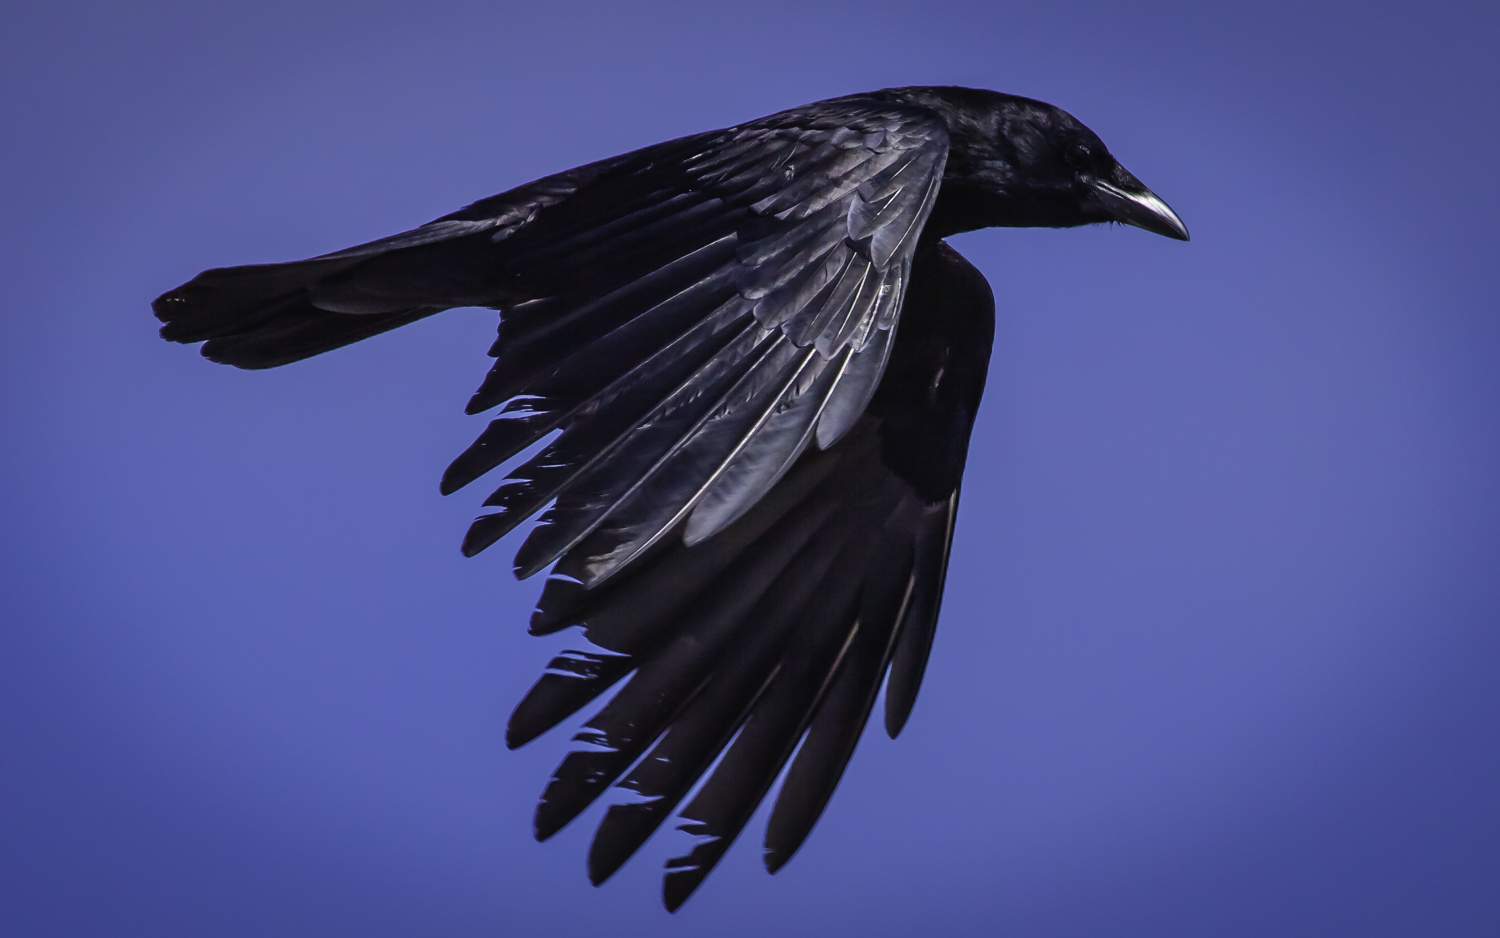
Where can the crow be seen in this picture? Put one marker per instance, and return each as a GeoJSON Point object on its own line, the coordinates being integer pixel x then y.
{"type": "Point", "coordinates": [762, 364]}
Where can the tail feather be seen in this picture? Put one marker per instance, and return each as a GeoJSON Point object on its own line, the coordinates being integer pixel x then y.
{"type": "Point", "coordinates": [262, 316]}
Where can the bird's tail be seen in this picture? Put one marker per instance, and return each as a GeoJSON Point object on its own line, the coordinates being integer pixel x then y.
{"type": "Point", "coordinates": [263, 315]}
{"type": "Point", "coordinates": [272, 314]}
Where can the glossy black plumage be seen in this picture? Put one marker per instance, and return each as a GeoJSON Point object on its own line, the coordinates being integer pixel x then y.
{"type": "Point", "coordinates": [765, 365]}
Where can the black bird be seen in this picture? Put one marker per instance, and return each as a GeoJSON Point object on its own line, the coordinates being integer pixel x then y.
{"type": "Point", "coordinates": [765, 364]}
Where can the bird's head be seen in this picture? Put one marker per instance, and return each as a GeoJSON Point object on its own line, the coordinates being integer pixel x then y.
{"type": "Point", "coordinates": [1016, 162]}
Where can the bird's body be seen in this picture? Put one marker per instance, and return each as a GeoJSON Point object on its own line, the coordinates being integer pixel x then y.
{"type": "Point", "coordinates": [765, 364]}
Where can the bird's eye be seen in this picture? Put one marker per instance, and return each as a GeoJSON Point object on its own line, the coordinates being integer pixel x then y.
{"type": "Point", "coordinates": [1078, 156]}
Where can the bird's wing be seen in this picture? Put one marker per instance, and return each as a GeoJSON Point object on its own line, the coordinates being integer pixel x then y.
{"type": "Point", "coordinates": [699, 315]}
{"type": "Point", "coordinates": [769, 640]}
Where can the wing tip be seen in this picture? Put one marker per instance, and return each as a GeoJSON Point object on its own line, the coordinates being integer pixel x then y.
{"type": "Point", "coordinates": [679, 885]}
{"type": "Point", "coordinates": [896, 718]}
{"type": "Point", "coordinates": [605, 858]}
{"type": "Point", "coordinates": [546, 823]}
{"type": "Point", "coordinates": [515, 737]}
{"type": "Point", "coordinates": [485, 530]}
{"type": "Point", "coordinates": [776, 859]}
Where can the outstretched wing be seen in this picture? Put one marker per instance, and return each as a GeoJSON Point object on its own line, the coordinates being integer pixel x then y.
{"type": "Point", "coordinates": [773, 636]}
{"type": "Point", "coordinates": [690, 316]}
{"type": "Point", "coordinates": [699, 318]}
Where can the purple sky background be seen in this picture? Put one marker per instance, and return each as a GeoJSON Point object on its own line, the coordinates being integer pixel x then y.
{"type": "Point", "coordinates": [1221, 647]}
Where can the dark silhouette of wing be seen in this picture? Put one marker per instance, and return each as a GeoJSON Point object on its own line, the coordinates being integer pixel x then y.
{"type": "Point", "coordinates": [691, 316]}
{"type": "Point", "coordinates": [769, 639]}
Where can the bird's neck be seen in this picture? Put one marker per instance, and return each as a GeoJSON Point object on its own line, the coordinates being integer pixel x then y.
{"type": "Point", "coordinates": [963, 206]}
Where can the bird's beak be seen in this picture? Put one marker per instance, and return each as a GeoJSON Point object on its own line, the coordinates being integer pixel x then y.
{"type": "Point", "coordinates": [1134, 204]}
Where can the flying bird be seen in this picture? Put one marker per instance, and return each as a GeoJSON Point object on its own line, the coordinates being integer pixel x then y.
{"type": "Point", "coordinates": [762, 365]}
